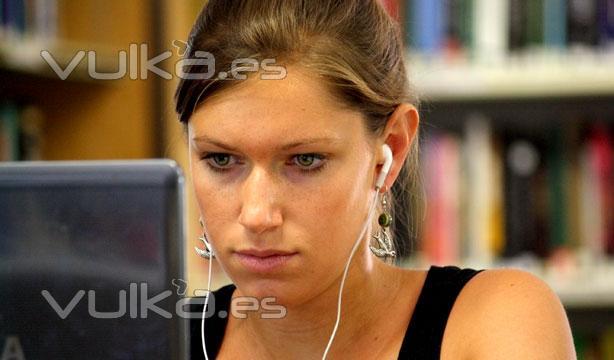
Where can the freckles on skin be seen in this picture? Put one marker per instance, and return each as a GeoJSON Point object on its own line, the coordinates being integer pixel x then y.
{"type": "Point", "coordinates": [256, 119]}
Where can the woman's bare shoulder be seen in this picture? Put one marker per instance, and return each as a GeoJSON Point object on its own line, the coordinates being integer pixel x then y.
{"type": "Point", "coordinates": [508, 314]}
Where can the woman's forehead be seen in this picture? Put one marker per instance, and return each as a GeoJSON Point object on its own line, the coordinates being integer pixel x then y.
{"type": "Point", "coordinates": [297, 104]}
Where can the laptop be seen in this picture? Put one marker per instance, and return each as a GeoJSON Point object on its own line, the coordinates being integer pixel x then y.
{"type": "Point", "coordinates": [91, 260]}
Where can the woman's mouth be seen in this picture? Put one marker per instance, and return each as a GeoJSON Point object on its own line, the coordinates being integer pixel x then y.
{"type": "Point", "coordinates": [263, 261]}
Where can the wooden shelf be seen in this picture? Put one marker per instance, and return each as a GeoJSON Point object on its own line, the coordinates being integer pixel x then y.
{"type": "Point", "coordinates": [24, 57]}
{"type": "Point", "coordinates": [517, 78]}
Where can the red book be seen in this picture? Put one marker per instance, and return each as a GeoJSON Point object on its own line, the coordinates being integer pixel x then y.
{"type": "Point", "coordinates": [392, 7]}
{"type": "Point", "coordinates": [601, 151]}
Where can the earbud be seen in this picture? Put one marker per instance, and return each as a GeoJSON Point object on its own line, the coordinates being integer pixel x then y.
{"type": "Point", "coordinates": [386, 167]}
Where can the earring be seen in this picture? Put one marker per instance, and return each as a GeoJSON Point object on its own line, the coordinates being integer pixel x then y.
{"type": "Point", "coordinates": [382, 236]}
{"type": "Point", "coordinates": [206, 252]}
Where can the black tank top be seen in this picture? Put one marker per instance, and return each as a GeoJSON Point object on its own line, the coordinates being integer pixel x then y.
{"type": "Point", "coordinates": [422, 338]}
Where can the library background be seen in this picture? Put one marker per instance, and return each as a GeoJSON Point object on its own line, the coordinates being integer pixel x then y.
{"type": "Point", "coordinates": [517, 113]}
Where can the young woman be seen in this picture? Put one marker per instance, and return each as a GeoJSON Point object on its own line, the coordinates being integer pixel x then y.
{"type": "Point", "coordinates": [287, 105]}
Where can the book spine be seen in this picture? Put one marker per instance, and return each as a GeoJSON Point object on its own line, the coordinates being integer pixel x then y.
{"type": "Point", "coordinates": [582, 23]}
{"type": "Point", "coordinates": [591, 228]}
{"type": "Point", "coordinates": [433, 227]}
{"type": "Point", "coordinates": [17, 17]}
{"type": "Point", "coordinates": [555, 24]}
{"type": "Point", "coordinates": [9, 122]}
{"type": "Point", "coordinates": [496, 219]}
{"type": "Point", "coordinates": [522, 162]}
{"type": "Point", "coordinates": [465, 14]}
{"type": "Point", "coordinates": [556, 180]}
{"type": "Point", "coordinates": [606, 22]}
{"type": "Point", "coordinates": [427, 26]}
{"type": "Point", "coordinates": [46, 22]}
{"type": "Point", "coordinates": [392, 8]}
{"type": "Point", "coordinates": [478, 151]}
{"type": "Point", "coordinates": [31, 133]}
{"type": "Point", "coordinates": [534, 18]}
{"type": "Point", "coordinates": [2, 20]}
{"type": "Point", "coordinates": [491, 19]}
{"type": "Point", "coordinates": [516, 38]}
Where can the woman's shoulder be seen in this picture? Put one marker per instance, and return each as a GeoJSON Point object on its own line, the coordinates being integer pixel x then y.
{"type": "Point", "coordinates": [510, 313]}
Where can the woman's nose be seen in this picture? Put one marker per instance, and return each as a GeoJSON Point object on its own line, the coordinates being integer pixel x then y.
{"type": "Point", "coordinates": [259, 211]}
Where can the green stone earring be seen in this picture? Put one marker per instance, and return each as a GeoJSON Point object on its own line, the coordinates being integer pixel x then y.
{"type": "Point", "coordinates": [382, 236]}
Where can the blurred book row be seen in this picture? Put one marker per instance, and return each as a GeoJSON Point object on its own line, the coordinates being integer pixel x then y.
{"type": "Point", "coordinates": [28, 19]}
{"type": "Point", "coordinates": [21, 132]}
{"type": "Point", "coordinates": [491, 30]}
{"type": "Point", "coordinates": [589, 347]}
{"type": "Point", "coordinates": [547, 196]}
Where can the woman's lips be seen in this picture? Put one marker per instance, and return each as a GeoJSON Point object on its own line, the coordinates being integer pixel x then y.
{"type": "Point", "coordinates": [263, 261]}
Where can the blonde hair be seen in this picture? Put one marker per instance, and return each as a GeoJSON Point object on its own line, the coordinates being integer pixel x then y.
{"type": "Point", "coordinates": [352, 45]}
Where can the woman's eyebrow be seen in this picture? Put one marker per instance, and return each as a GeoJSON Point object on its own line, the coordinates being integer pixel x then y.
{"type": "Point", "coordinates": [293, 144]}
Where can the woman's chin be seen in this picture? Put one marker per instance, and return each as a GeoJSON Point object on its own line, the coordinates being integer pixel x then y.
{"type": "Point", "coordinates": [282, 292]}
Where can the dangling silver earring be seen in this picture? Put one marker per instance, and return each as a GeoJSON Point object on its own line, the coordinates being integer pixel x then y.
{"type": "Point", "coordinates": [206, 252]}
{"type": "Point", "coordinates": [382, 236]}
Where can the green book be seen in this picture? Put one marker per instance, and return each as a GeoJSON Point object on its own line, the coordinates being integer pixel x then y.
{"type": "Point", "coordinates": [556, 163]}
{"type": "Point", "coordinates": [607, 343]}
{"type": "Point", "coordinates": [534, 18]}
{"type": "Point", "coordinates": [465, 24]}
{"type": "Point", "coordinates": [9, 132]}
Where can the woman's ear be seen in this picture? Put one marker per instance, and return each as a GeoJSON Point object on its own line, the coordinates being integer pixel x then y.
{"type": "Point", "coordinates": [399, 134]}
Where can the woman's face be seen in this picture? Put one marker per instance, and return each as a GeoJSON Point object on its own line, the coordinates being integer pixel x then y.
{"type": "Point", "coordinates": [279, 165]}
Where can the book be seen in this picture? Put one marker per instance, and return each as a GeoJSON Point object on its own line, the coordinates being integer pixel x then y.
{"type": "Point", "coordinates": [555, 24]}
{"type": "Point", "coordinates": [441, 239]}
{"type": "Point", "coordinates": [534, 20]}
{"type": "Point", "coordinates": [477, 162]}
{"type": "Point", "coordinates": [453, 46]}
{"type": "Point", "coordinates": [601, 150]}
{"type": "Point", "coordinates": [14, 13]}
{"type": "Point", "coordinates": [425, 21]}
{"type": "Point", "coordinates": [31, 133]}
{"type": "Point", "coordinates": [582, 25]}
{"type": "Point", "coordinates": [392, 8]}
{"type": "Point", "coordinates": [517, 23]}
{"type": "Point", "coordinates": [555, 162]}
{"type": "Point", "coordinates": [29, 19]}
{"type": "Point", "coordinates": [522, 163]}
{"type": "Point", "coordinates": [9, 132]}
{"type": "Point", "coordinates": [606, 23]}
{"type": "Point", "coordinates": [491, 19]}
{"type": "Point", "coordinates": [464, 11]}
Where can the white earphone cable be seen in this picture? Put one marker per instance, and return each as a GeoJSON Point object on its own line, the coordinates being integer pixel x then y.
{"type": "Point", "coordinates": [202, 324]}
{"type": "Point", "coordinates": [345, 272]}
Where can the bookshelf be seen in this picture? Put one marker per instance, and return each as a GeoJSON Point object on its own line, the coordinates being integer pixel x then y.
{"type": "Point", "coordinates": [81, 117]}
{"type": "Point", "coordinates": [517, 105]}
{"type": "Point", "coordinates": [517, 78]}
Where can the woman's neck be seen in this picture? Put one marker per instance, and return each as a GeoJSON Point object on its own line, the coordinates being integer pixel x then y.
{"type": "Point", "coordinates": [370, 289]}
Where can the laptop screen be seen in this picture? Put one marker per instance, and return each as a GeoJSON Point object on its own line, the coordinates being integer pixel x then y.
{"type": "Point", "coordinates": [89, 253]}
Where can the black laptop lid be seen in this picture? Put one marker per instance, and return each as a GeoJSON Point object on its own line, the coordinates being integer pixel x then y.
{"type": "Point", "coordinates": [88, 255]}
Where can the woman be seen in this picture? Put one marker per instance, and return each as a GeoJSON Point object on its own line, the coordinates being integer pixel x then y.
{"type": "Point", "coordinates": [284, 165]}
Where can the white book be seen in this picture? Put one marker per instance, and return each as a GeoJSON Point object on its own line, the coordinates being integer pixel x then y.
{"type": "Point", "coordinates": [479, 202]}
{"type": "Point", "coordinates": [490, 31]}
{"type": "Point", "coordinates": [46, 19]}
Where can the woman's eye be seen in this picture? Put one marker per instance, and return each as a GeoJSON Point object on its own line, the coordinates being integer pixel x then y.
{"type": "Point", "coordinates": [310, 162]}
{"type": "Point", "coordinates": [218, 161]}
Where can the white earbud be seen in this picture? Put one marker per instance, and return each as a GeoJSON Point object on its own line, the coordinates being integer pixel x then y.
{"type": "Point", "coordinates": [386, 167]}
